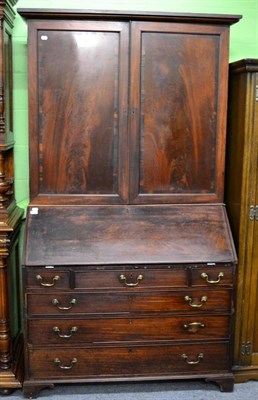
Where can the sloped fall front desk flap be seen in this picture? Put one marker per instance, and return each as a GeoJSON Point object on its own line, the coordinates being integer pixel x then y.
{"type": "Point", "coordinates": [99, 235]}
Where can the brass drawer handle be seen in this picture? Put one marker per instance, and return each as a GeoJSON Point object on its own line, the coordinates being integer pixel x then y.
{"type": "Point", "coordinates": [190, 301]}
{"type": "Point", "coordinates": [199, 358]}
{"type": "Point", "coordinates": [206, 277]}
{"type": "Point", "coordinates": [193, 326]}
{"type": "Point", "coordinates": [54, 280]}
{"type": "Point", "coordinates": [72, 330]}
{"type": "Point", "coordinates": [61, 366]}
{"type": "Point", "coordinates": [122, 278]}
{"type": "Point", "coordinates": [55, 302]}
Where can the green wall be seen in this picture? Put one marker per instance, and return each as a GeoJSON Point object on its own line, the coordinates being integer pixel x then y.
{"type": "Point", "coordinates": [243, 44]}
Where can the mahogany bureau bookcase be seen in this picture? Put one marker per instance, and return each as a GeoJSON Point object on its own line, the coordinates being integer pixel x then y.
{"type": "Point", "coordinates": [129, 266]}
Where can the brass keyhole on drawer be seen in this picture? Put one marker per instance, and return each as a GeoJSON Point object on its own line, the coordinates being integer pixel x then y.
{"type": "Point", "coordinates": [55, 302]}
{"type": "Point", "coordinates": [65, 336]}
{"type": "Point", "coordinates": [193, 327]}
{"type": "Point", "coordinates": [54, 280]}
{"type": "Point", "coordinates": [61, 366]}
{"type": "Point", "coordinates": [123, 279]}
{"type": "Point", "coordinates": [194, 305]}
{"type": "Point", "coordinates": [208, 280]}
{"type": "Point", "coordinates": [199, 358]}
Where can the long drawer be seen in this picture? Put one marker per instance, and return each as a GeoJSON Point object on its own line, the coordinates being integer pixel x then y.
{"type": "Point", "coordinates": [128, 302]}
{"type": "Point", "coordinates": [46, 332]}
{"type": "Point", "coordinates": [133, 361]}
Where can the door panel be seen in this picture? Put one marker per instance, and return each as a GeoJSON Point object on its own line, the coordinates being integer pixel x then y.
{"type": "Point", "coordinates": [253, 299]}
{"type": "Point", "coordinates": [82, 101]}
{"type": "Point", "coordinates": [176, 135]}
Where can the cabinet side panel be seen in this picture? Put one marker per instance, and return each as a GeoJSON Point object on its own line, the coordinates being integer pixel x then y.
{"type": "Point", "coordinates": [235, 149]}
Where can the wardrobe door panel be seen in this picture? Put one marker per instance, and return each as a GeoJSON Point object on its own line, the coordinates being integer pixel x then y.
{"type": "Point", "coordinates": [254, 274]}
{"type": "Point", "coordinates": [81, 96]}
{"type": "Point", "coordinates": [178, 77]}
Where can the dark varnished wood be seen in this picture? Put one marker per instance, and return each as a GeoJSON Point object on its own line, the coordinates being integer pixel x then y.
{"type": "Point", "coordinates": [213, 275]}
{"type": "Point", "coordinates": [121, 329]}
{"type": "Point", "coordinates": [225, 384]}
{"type": "Point", "coordinates": [121, 122]}
{"type": "Point", "coordinates": [97, 235]}
{"type": "Point", "coordinates": [178, 131]}
{"type": "Point", "coordinates": [49, 277]}
{"type": "Point", "coordinates": [80, 126]}
{"type": "Point", "coordinates": [128, 15]}
{"type": "Point", "coordinates": [172, 276]}
{"type": "Point", "coordinates": [138, 361]}
{"type": "Point", "coordinates": [31, 392]}
{"type": "Point", "coordinates": [78, 139]}
{"type": "Point", "coordinates": [108, 277]}
{"type": "Point", "coordinates": [130, 302]}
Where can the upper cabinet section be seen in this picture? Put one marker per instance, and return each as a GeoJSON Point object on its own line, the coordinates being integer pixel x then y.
{"type": "Point", "coordinates": [127, 108]}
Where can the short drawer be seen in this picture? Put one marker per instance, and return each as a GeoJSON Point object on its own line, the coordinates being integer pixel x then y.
{"type": "Point", "coordinates": [133, 302]}
{"type": "Point", "coordinates": [129, 278]}
{"type": "Point", "coordinates": [134, 361]}
{"type": "Point", "coordinates": [43, 278]}
{"type": "Point", "coordinates": [212, 276]}
{"type": "Point", "coordinates": [107, 330]}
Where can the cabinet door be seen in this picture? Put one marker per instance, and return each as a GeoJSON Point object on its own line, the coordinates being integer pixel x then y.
{"type": "Point", "coordinates": [252, 316]}
{"type": "Point", "coordinates": [177, 116]}
{"type": "Point", "coordinates": [253, 320]}
{"type": "Point", "coordinates": [78, 121]}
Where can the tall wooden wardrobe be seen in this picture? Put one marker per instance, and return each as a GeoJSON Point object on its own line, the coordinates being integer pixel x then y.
{"type": "Point", "coordinates": [129, 267]}
{"type": "Point", "coordinates": [242, 205]}
{"type": "Point", "coordinates": [10, 218]}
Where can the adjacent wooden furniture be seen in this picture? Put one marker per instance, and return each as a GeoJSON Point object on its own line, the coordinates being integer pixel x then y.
{"type": "Point", "coordinates": [10, 218]}
{"type": "Point", "coordinates": [242, 204]}
{"type": "Point", "coordinates": [129, 264]}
